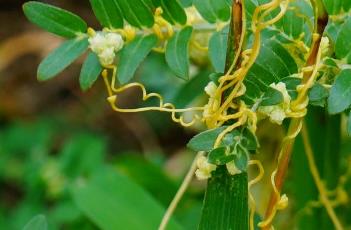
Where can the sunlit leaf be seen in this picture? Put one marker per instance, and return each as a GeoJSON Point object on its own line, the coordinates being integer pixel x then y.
{"type": "Point", "coordinates": [61, 57]}
{"type": "Point", "coordinates": [205, 141]}
{"type": "Point", "coordinates": [108, 13]}
{"type": "Point", "coordinates": [90, 71]}
{"type": "Point", "coordinates": [136, 12]}
{"type": "Point", "coordinates": [54, 19]}
{"type": "Point", "coordinates": [132, 55]}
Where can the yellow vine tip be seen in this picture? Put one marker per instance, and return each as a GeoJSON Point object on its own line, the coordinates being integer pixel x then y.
{"type": "Point", "coordinates": [112, 99]}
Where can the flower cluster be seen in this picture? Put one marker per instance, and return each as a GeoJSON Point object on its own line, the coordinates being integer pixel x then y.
{"type": "Point", "coordinates": [204, 168]}
{"type": "Point", "coordinates": [277, 113]}
{"type": "Point", "coordinates": [105, 45]}
{"type": "Point", "coordinates": [213, 103]}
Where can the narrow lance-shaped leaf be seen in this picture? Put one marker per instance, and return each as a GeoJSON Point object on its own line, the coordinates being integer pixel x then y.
{"type": "Point", "coordinates": [136, 12]}
{"type": "Point", "coordinates": [177, 53]}
{"type": "Point", "coordinates": [61, 57]}
{"type": "Point", "coordinates": [173, 11]}
{"type": "Point", "coordinates": [54, 19]}
{"type": "Point", "coordinates": [108, 13]}
{"type": "Point", "coordinates": [90, 71]}
{"type": "Point", "coordinates": [36, 223]}
{"type": "Point", "coordinates": [112, 201]}
{"type": "Point", "coordinates": [340, 93]}
{"type": "Point", "coordinates": [132, 55]}
{"type": "Point", "coordinates": [213, 10]}
{"type": "Point", "coordinates": [217, 50]}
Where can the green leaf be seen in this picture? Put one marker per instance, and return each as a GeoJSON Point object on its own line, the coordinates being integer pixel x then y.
{"type": "Point", "coordinates": [61, 57]}
{"type": "Point", "coordinates": [226, 202]}
{"type": "Point", "coordinates": [132, 55]}
{"type": "Point", "coordinates": [54, 19]}
{"type": "Point", "coordinates": [111, 200]}
{"type": "Point", "coordinates": [271, 97]}
{"type": "Point", "coordinates": [90, 71]}
{"type": "Point", "coordinates": [343, 41]}
{"type": "Point", "coordinates": [217, 48]}
{"type": "Point", "coordinates": [213, 10]}
{"type": "Point", "coordinates": [186, 3]}
{"type": "Point", "coordinates": [340, 93]}
{"type": "Point", "coordinates": [349, 124]}
{"type": "Point", "coordinates": [219, 156]}
{"type": "Point", "coordinates": [334, 7]}
{"type": "Point", "coordinates": [205, 141]}
{"type": "Point", "coordinates": [136, 12]}
{"type": "Point", "coordinates": [173, 12]}
{"type": "Point", "coordinates": [241, 157]}
{"type": "Point", "coordinates": [177, 52]}
{"type": "Point", "coordinates": [36, 223]}
{"type": "Point", "coordinates": [249, 140]}
{"type": "Point", "coordinates": [318, 95]}
{"type": "Point", "coordinates": [108, 13]}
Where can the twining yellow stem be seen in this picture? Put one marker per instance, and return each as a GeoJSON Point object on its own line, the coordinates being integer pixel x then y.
{"type": "Point", "coordinates": [323, 193]}
{"type": "Point", "coordinates": [171, 208]}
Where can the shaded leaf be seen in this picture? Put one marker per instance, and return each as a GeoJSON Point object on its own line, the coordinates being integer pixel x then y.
{"type": "Point", "coordinates": [108, 13]}
{"type": "Point", "coordinates": [177, 53]}
{"type": "Point", "coordinates": [213, 10]}
{"type": "Point", "coordinates": [111, 200]}
{"type": "Point", "coordinates": [61, 58]}
{"type": "Point", "coordinates": [173, 12]}
{"type": "Point", "coordinates": [54, 19]}
{"type": "Point", "coordinates": [343, 41]}
{"type": "Point", "coordinates": [132, 55]}
{"type": "Point", "coordinates": [90, 71]}
{"type": "Point", "coordinates": [217, 49]}
{"type": "Point", "coordinates": [271, 97]}
{"type": "Point", "coordinates": [36, 223]}
{"type": "Point", "coordinates": [318, 95]}
{"type": "Point", "coordinates": [340, 93]}
{"type": "Point", "coordinates": [219, 156]}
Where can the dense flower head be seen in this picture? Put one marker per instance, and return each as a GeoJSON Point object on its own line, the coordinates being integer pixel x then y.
{"type": "Point", "coordinates": [105, 45]}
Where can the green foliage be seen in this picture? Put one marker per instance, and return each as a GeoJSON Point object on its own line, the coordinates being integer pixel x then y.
{"type": "Point", "coordinates": [36, 223]}
{"type": "Point", "coordinates": [90, 71]}
{"type": "Point", "coordinates": [318, 95]}
{"type": "Point", "coordinates": [343, 44]}
{"type": "Point", "coordinates": [61, 58]}
{"type": "Point", "coordinates": [136, 12]}
{"type": "Point", "coordinates": [177, 53]}
{"type": "Point", "coordinates": [213, 10]}
{"type": "Point", "coordinates": [108, 13]}
{"type": "Point", "coordinates": [54, 20]}
{"type": "Point", "coordinates": [132, 55]}
{"type": "Point", "coordinates": [219, 156]}
{"type": "Point", "coordinates": [112, 200]}
{"type": "Point", "coordinates": [217, 48]}
{"type": "Point", "coordinates": [173, 12]}
{"type": "Point", "coordinates": [205, 141]}
{"type": "Point", "coordinates": [340, 93]}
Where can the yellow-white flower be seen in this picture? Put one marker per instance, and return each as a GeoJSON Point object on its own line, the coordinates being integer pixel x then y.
{"type": "Point", "coordinates": [232, 169]}
{"type": "Point", "coordinates": [105, 45]}
{"type": "Point", "coordinates": [277, 113]}
{"type": "Point", "coordinates": [213, 102]}
{"type": "Point", "coordinates": [204, 168]}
